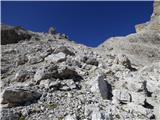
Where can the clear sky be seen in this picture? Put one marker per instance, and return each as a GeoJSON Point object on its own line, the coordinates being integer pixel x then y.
{"type": "Point", "coordinates": [89, 23]}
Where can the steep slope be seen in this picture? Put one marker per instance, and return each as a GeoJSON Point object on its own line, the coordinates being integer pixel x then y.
{"type": "Point", "coordinates": [141, 47]}
{"type": "Point", "coordinates": [46, 76]}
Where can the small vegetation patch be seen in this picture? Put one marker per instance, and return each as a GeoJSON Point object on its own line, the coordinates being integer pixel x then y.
{"type": "Point", "coordinates": [21, 117]}
{"type": "Point", "coordinates": [52, 106]}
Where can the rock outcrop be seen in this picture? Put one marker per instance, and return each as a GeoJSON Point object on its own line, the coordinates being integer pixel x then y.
{"type": "Point", "coordinates": [46, 76]}
{"type": "Point", "coordinates": [10, 34]}
{"type": "Point", "coordinates": [139, 47]}
{"type": "Point", "coordinates": [154, 23]}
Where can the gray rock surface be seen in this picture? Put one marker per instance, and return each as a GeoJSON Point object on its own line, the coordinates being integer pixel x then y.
{"type": "Point", "coordinates": [45, 76]}
{"type": "Point", "coordinates": [14, 96]}
{"type": "Point", "coordinates": [54, 58]}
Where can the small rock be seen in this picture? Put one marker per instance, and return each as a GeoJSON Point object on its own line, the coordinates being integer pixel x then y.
{"type": "Point", "coordinates": [7, 114]}
{"type": "Point", "coordinates": [68, 84]}
{"type": "Point", "coordinates": [55, 84]}
{"type": "Point", "coordinates": [25, 112]}
{"type": "Point", "coordinates": [65, 72]}
{"type": "Point", "coordinates": [123, 96]}
{"type": "Point", "coordinates": [65, 50]}
{"type": "Point", "coordinates": [45, 72]}
{"type": "Point", "coordinates": [138, 98]}
{"type": "Point", "coordinates": [45, 83]}
{"type": "Point", "coordinates": [134, 85]}
{"type": "Point", "coordinates": [70, 117]}
{"type": "Point", "coordinates": [90, 60]}
{"type": "Point", "coordinates": [157, 111]}
{"type": "Point", "coordinates": [123, 60]}
{"type": "Point", "coordinates": [22, 59]}
{"type": "Point", "coordinates": [23, 75]}
{"type": "Point", "coordinates": [138, 109]}
{"type": "Point", "coordinates": [100, 115]}
{"type": "Point", "coordinates": [34, 59]}
{"type": "Point", "coordinates": [54, 58]}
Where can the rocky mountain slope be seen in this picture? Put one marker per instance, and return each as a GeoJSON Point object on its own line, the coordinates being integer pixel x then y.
{"type": "Point", "coordinates": [46, 76]}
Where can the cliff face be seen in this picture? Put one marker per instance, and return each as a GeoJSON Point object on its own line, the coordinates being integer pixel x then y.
{"type": "Point", "coordinates": [154, 23]}
{"type": "Point", "coordinates": [156, 8]}
{"type": "Point", "coordinates": [46, 76]}
{"type": "Point", "coordinates": [142, 47]}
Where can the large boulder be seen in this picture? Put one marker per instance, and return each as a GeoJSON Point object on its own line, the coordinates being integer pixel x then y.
{"type": "Point", "coordinates": [15, 96]}
{"type": "Point", "coordinates": [54, 71]}
{"type": "Point", "coordinates": [101, 87]}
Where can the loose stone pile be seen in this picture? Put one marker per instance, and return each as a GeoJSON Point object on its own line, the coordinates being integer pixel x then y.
{"type": "Point", "coordinates": [48, 77]}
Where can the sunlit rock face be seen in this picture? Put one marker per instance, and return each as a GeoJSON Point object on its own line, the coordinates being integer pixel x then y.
{"type": "Point", "coordinates": [156, 8]}
{"type": "Point", "coordinates": [141, 47]}
{"type": "Point", "coordinates": [154, 23]}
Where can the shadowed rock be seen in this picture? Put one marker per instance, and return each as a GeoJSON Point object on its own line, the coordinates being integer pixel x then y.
{"type": "Point", "coordinates": [15, 96]}
{"type": "Point", "coordinates": [10, 34]}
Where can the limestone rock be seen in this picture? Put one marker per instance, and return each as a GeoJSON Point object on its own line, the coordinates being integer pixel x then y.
{"type": "Point", "coordinates": [154, 23]}
{"type": "Point", "coordinates": [137, 98]}
{"type": "Point", "coordinates": [45, 83]}
{"type": "Point", "coordinates": [102, 87]}
{"type": "Point", "coordinates": [45, 72]}
{"type": "Point", "coordinates": [34, 59]}
{"type": "Point", "coordinates": [122, 96]}
{"type": "Point", "coordinates": [156, 8]}
{"type": "Point", "coordinates": [54, 58]}
{"type": "Point", "coordinates": [70, 117]}
{"type": "Point", "coordinates": [123, 60]}
{"type": "Point", "coordinates": [97, 115]}
{"type": "Point", "coordinates": [52, 30]}
{"type": "Point", "coordinates": [15, 96]}
{"type": "Point", "coordinates": [46, 76]}
{"type": "Point", "coordinates": [90, 60]}
{"type": "Point", "coordinates": [64, 49]}
{"type": "Point", "coordinates": [138, 109]}
{"type": "Point", "coordinates": [23, 75]}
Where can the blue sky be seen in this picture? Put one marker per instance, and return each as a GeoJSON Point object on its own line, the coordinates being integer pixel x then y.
{"type": "Point", "coordinates": [89, 23]}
